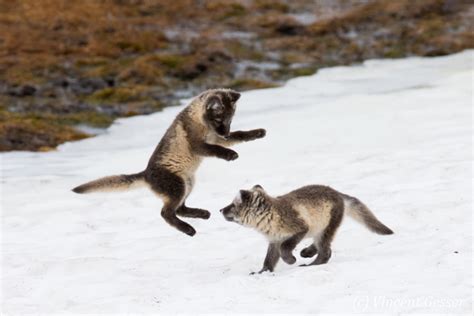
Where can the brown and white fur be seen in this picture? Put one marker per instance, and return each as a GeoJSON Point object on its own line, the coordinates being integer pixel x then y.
{"type": "Point", "coordinates": [201, 130]}
{"type": "Point", "coordinates": [312, 211]}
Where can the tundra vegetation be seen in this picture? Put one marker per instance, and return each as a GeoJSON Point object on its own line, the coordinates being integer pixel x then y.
{"type": "Point", "coordinates": [68, 64]}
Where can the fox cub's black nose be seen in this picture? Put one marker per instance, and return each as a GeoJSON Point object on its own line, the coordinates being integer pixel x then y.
{"type": "Point", "coordinates": [221, 210]}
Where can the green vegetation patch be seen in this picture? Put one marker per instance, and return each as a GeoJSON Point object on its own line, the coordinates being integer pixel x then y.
{"type": "Point", "coordinates": [34, 132]}
{"type": "Point", "coordinates": [248, 84]}
{"type": "Point", "coordinates": [117, 95]}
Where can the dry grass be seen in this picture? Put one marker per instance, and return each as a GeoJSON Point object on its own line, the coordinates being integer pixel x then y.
{"type": "Point", "coordinates": [141, 51]}
{"type": "Point", "coordinates": [34, 132]}
{"type": "Point", "coordinates": [41, 34]}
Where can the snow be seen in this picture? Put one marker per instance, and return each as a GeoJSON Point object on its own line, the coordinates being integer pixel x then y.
{"type": "Point", "coordinates": [394, 133]}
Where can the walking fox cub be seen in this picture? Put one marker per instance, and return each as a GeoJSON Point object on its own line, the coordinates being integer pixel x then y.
{"type": "Point", "coordinates": [202, 129]}
{"type": "Point", "coordinates": [313, 211]}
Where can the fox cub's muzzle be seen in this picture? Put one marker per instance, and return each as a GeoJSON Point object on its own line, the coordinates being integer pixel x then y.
{"type": "Point", "coordinates": [228, 213]}
{"type": "Point", "coordinates": [223, 130]}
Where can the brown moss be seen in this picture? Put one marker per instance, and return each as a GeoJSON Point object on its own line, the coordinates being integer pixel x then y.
{"type": "Point", "coordinates": [191, 66]}
{"type": "Point", "coordinates": [302, 71]}
{"type": "Point", "coordinates": [33, 133]}
{"type": "Point", "coordinates": [23, 70]}
{"type": "Point", "coordinates": [249, 84]}
{"type": "Point", "coordinates": [222, 10]}
{"type": "Point", "coordinates": [91, 61]}
{"type": "Point", "coordinates": [170, 61]}
{"type": "Point", "coordinates": [118, 95]}
{"type": "Point", "coordinates": [94, 119]}
{"type": "Point", "coordinates": [285, 73]}
{"type": "Point", "coordinates": [54, 31]}
{"type": "Point", "coordinates": [241, 50]}
{"type": "Point", "coordinates": [382, 11]}
{"type": "Point", "coordinates": [60, 47]}
{"type": "Point", "coordinates": [271, 5]}
{"type": "Point", "coordinates": [107, 68]}
{"type": "Point", "coordinates": [279, 24]}
{"type": "Point", "coordinates": [139, 42]}
{"type": "Point", "coordinates": [142, 70]}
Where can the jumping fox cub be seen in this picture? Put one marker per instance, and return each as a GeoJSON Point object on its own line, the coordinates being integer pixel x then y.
{"type": "Point", "coordinates": [202, 129]}
{"type": "Point", "coordinates": [309, 212]}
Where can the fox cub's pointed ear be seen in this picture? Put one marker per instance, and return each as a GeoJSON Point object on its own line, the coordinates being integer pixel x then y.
{"type": "Point", "coordinates": [245, 195]}
{"type": "Point", "coordinates": [257, 187]}
{"type": "Point", "coordinates": [238, 199]}
{"type": "Point", "coordinates": [214, 103]}
{"type": "Point", "coordinates": [234, 95]}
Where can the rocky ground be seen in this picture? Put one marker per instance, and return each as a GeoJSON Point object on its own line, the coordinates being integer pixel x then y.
{"type": "Point", "coordinates": [66, 66]}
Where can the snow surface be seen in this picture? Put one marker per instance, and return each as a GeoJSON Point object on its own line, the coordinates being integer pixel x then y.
{"type": "Point", "coordinates": [395, 133]}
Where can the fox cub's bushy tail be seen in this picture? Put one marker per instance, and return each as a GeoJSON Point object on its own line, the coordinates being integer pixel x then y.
{"type": "Point", "coordinates": [112, 183]}
{"type": "Point", "coordinates": [361, 213]}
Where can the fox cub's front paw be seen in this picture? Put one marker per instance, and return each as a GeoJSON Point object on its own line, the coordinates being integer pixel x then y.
{"type": "Point", "coordinates": [230, 155]}
{"type": "Point", "coordinates": [288, 258]}
{"type": "Point", "coordinates": [259, 133]}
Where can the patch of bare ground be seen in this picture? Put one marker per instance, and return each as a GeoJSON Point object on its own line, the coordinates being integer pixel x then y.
{"type": "Point", "coordinates": [65, 63]}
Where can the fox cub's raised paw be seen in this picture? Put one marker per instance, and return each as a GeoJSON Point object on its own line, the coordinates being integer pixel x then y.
{"type": "Point", "coordinates": [230, 155]}
{"type": "Point", "coordinates": [259, 133]}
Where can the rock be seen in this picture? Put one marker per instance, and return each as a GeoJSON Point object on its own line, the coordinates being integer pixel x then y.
{"type": "Point", "coordinates": [21, 90]}
{"type": "Point", "coordinates": [83, 86]}
{"type": "Point", "coordinates": [289, 27]}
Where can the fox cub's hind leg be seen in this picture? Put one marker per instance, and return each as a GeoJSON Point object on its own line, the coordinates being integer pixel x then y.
{"type": "Point", "coordinates": [309, 251]}
{"type": "Point", "coordinates": [185, 211]}
{"type": "Point", "coordinates": [168, 212]}
{"type": "Point", "coordinates": [172, 189]}
{"type": "Point", "coordinates": [324, 242]}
